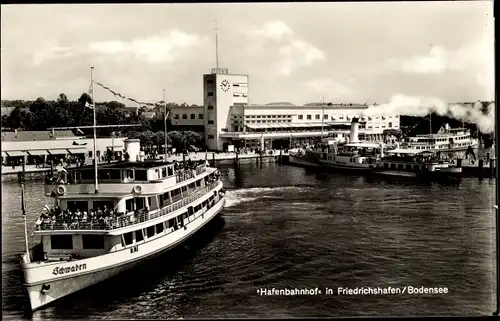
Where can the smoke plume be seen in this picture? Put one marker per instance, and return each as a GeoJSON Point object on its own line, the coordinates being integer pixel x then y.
{"type": "Point", "coordinates": [483, 118]}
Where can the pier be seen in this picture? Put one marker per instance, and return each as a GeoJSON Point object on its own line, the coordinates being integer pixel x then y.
{"type": "Point", "coordinates": [34, 172]}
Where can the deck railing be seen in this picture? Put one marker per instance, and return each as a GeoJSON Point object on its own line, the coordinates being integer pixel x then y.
{"type": "Point", "coordinates": [130, 219]}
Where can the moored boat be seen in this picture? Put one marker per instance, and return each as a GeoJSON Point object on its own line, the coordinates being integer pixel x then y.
{"type": "Point", "coordinates": [446, 140]}
{"type": "Point", "coordinates": [416, 164]}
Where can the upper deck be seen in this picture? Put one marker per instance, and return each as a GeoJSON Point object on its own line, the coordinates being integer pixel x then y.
{"type": "Point", "coordinates": [124, 178]}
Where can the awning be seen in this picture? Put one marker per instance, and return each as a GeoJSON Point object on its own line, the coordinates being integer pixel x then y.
{"type": "Point", "coordinates": [74, 151]}
{"type": "Point", "coordinates": [37, 152]}
{"type": "Point", "coordinates": [15, 153]}
{"type": "Point", "coordinates": [62, 151]}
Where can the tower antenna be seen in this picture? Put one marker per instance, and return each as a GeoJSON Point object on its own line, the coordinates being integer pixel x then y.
{"type": "Point", "coordinates": [216, 45]}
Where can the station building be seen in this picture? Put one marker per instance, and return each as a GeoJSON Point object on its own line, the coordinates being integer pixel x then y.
{"type": "Point", "coordinates": [226, 118]}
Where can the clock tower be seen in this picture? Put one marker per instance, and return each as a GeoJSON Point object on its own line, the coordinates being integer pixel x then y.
{"type": "Point", "coordinates": [221, 90]}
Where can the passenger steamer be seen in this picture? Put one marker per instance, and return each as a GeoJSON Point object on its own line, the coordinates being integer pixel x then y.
{"type": "Point", "coordinates": [109, 218]}
{"type": "Point", "coordinates": [151, 207]}
{"type": "Point", "coordinates": [446, 140]}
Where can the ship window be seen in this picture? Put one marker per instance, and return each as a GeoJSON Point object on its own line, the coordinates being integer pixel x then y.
{"type": "Point", "coordinates": [140, 203]}
{"type": "Point", "coordinates": [159, 228]}
{"type": "Point", "coordinates": [393, 166]}
{"type": "Point", "coordinates": [141, 175]}
{"type": "Point", "coordinates": [184, 188]}
{"type": "Point", "coordinates": [139, 236]}
{"type": "Point", "coordinates": [78, 205]}
{"type": "Point", "coordinates": [386, 165]}
{"type": "Point", "coordinates": [151, 231]}
{"type": "Point", "coordinates": [192, 185]}
{"type": "Point", "coordinates": [101, 204]}
{"type": "Point", "coordinates": [164, 172]}
{"type": "Point", "coordinates": [165, 197]}
{"type": "Point", "coordinates": [180, 220]}
{"type": "Point", "coordinates": [415, 167]}
{"type": "Point", "coordinates": [400, 166]}
{"type": "Point", "coordinates": [129, 205]}
{"type": "Point", "coordinates": [198, 183]}
{"type": "Point", "coordinates": [61, 242]}
{"type": "Point", "coordinates": [170, 171]}
{"type": "Point", "coordinates": [171, 223]}
{"type": "Point", "coordinates": [408, 167]}
{"type": "Point", "coordinates": [94, 242]}
{"type": "Point", "coordinates": [128, 238]}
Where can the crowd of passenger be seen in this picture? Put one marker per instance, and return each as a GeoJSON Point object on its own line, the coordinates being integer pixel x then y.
{"type": "Point", "coordinates": [68, 219]}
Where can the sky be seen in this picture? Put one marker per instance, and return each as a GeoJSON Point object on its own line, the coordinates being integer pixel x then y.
{"type": "Point", "coordinates": [292, 52]}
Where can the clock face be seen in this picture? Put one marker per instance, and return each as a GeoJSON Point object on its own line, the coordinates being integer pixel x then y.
{"type": "Point", "coordinates": [224, 85]}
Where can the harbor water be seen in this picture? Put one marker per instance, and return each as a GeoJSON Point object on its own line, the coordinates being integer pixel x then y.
{"type": "Point", "coordinates": [287, 227]}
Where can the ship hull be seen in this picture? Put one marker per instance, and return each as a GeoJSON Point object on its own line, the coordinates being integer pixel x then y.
{"type": "Point", "coordinates": [349, 167]}
{"type": "Point", "coordinates": [298, 161]}
{"type": "Point", "coordinates": [66, 285]}
{"type": "Point", "coordinates": [444, 174]}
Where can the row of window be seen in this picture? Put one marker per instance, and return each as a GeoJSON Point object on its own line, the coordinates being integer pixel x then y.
{"type": "Point", "coordinates": [65, 242]}
{"type": "Point", "coordinates": [171, 225]}
{"type": "Point", "coordinates": [185, 116]}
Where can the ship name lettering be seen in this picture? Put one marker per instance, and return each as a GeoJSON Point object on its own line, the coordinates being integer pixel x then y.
{"type": "Point", "coordinates": [64, 270]}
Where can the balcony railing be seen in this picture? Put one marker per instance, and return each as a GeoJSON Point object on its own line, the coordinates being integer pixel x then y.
{"type": "Point", "coordinates": [186, 174]}
{"type": "Point", "coordinates": [130, 219]}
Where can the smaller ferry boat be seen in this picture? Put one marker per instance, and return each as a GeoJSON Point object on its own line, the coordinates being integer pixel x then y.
{"type": "Point", "coordinates": [352, 155]}
{"type": "Point", "coordinates": [417, 164]}
{"type": "Point", "coordinates": [446, 140]}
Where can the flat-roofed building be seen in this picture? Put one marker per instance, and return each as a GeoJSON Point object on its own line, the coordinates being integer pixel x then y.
{"type": "Point", "coordinates": [230, 120]}
{"type": "Point", "coordinates": [43, 146]}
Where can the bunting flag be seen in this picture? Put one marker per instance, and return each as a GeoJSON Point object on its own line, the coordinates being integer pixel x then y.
{"type": "Point", "coordinates": [117, 94]}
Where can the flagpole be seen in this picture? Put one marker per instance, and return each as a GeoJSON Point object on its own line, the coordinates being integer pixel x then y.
{"type": "Point", "coordinates": [165, 121]}
{"type": "Point", "coordinates": [23, 208]}
{"type": "Point", "coordinates": [322, 117]}
{"type": "Point", "coordinates": [95, 129]}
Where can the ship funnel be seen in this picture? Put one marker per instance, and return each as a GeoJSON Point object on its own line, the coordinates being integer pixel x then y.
{"type": "Point", "coordinates": [354, 130]}
{"type": "Point", "coordinates": [133, 148]}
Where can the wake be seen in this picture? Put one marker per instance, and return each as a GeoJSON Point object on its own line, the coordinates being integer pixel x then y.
{"type": "Point", "coordinates": [245, 195]}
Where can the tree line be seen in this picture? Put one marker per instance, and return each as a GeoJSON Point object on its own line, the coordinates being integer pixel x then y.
{"type": "Point", "coordinates": [41, 114]}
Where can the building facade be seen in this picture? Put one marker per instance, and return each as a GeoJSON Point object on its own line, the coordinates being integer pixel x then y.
{"type": "Point", "coordinates": [229, 119]}
{"type": "Point", "coordinates": [35, 147]}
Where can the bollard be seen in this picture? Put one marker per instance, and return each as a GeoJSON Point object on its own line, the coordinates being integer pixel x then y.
{"type": "Point", "coordinates": [480, 167]}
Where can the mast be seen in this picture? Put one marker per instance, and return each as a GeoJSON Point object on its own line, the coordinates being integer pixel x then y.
{"type": "Point", "coordinates": [322, 117]}
{"type": "Point", "coordinates": [216, 46]}
{"type": "Point", "coordinates": [165, 121]}
{"type": "Point", "coordinates": [23, 208]}
{"type": "Point", "coordinates": [95, 129]}
{"type": "Point", "coordinates": [430, 123]}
